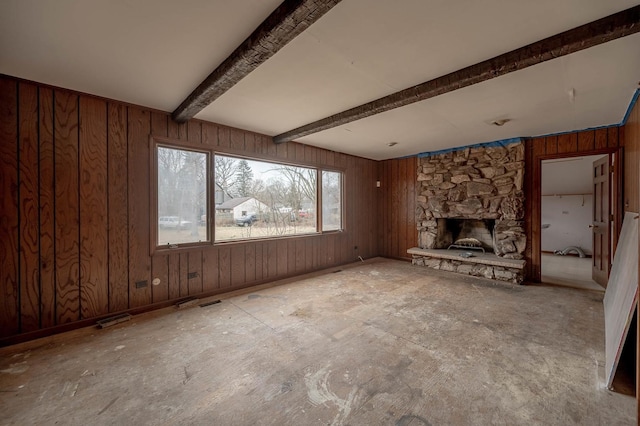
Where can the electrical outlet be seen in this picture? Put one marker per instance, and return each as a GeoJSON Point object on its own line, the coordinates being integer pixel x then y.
{"type": "Point", "coordinates": [142, 284]}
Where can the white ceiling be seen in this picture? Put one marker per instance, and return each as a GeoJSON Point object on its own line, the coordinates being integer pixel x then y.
{"type": "Point", "coordinates": [568, 176]}
{"type": "Point", "coordinates": [155, 52]}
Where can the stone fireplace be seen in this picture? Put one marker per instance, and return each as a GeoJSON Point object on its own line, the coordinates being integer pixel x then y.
{"type": "Point", "coordinates": [452, 230]}
{"type": "Point", "coordinates": [475, 192]}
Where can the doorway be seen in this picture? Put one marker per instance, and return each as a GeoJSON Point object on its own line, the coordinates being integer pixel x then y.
{"type": "Point", "coordinates": [568, 205]}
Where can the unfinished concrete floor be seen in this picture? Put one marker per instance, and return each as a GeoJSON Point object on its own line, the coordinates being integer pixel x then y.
{"type": "Point", "coordinates": [379, 343]}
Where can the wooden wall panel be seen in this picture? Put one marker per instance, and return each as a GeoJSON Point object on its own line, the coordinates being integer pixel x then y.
{"type": "Point", "coordinates": [66, 207]}
{"type": "Point", "coordinates": [94, 253]}
{"type": "Point", "coordinates": [210, 270]}
{"type": "Point", "coordinates": [632, 161]}
{"type": "Point", "coordinates": [29, 209]}
{"type": "Point", "coordinates": [139, 128]}
{"type": "Point", "coordinates": [118, 207]}
{"type": "Point", "coordinates": [76, 237]}
{"type": "Point", "coordinates": [160, 263]}
{"type": "Point", "coordinates": [47, 203]}
{"type": "Point", "coordinates": [195, 269]}
{"type": "Point", "coordinates": [9, 311]}
{"type": "Point", "coordinates": [396, 210]}
{"type": "Point", "coordinates": [183, 274]}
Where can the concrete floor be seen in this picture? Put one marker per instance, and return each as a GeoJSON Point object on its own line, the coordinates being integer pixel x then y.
{"type": "Point", "coordinates": [379, 343]}
{"type": "Point", "coordinates": [569, 271]}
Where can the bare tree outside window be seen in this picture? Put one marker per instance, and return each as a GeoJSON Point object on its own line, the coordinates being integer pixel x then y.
{"type": "Point", "coordinates": [268, 199]}
{"type": "Point", "coordinates": [182, 196]}
{"type": "Point", "coordinates": [331, 201]}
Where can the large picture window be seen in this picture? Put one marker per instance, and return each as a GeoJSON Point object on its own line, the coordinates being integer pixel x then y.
{"type": "Point", "coordinates": [257, 199]}
{"type": "Point", "coordinates": [201, 197]}
{"type": "Point", "coordinates": [182, 196]}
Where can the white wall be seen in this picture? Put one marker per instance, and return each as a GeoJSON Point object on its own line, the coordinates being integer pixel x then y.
{"type": "Point", "coordinates": [250, 206]}
{"type": "Point", "coordinates": [568, 217]}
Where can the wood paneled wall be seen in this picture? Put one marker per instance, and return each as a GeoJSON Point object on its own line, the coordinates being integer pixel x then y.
{"type": "Point", "coordinates": [632, 161]}
{"type": "Point", "coordinates": [74, 221]}
{"type": "Point", "coordinates": [588, 142]}
{"type": "Point", "coordinates": [397, 207]}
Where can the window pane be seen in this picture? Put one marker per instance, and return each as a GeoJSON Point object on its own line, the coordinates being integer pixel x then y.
{"type": "Point", "coordinates": [257, 199]}
{"type": "Point", "coordinates": [182, 196]}
{"type": "Point", "coordinates": [331, 201]}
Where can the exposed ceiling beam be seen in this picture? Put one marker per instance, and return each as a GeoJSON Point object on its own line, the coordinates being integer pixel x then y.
{"type": "Point", "coordinates": [592, 34]}
{"type": "Point", "coordinates": [283, 25]}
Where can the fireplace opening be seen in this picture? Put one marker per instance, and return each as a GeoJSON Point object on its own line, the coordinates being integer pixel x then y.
{"type": "Point", "coordinates": [461, 231]}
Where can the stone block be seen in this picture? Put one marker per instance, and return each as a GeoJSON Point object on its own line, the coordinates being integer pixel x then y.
{"type": "Point", "coordinates": [505, 189]}
{"type": "Point", "coordinates": [460, 178]}
{"type": "Point", "coordinates": [477, 188]}
{"type": "Point", "coordinates": [421, 199]}
{"type": "Point", "coordinates": [427, 239]}
{"type": "Point", "coordinates": [447, 265]}
{"type": "Point", "coordinates": [518, 180]}
{"type": "Point", "coordinates": [499, 171]}
{"type": "Point", "coordinates": [447, 185]}
{"type": "Point", "coordinates": [516, 165]}
{"type": "Point", "coordinates": [503, 274]}
{"type": "Point", "coordinates": [438, 178]}
{"type": "Point", "coordinates": [516, 152]}
{"type": "Point", "coordinates": [488, 172]}
{"type": "Point", "coordinates": [482, 180]}
{"type": "Point", "coordinates": [457, 194]}
{"type": "Point", "coordinates": [465, 268]}
{"type": "Point", "coordinates": [469, 206]}
{"type": "Point", "coordinates": [502, 181]}
{"type": "Point", "coordinates": [512, 207]}
{"type": "Point", "coordinates": [437, 204]}
{"type": "Point", "coordinates": [423, 177]}
{"type": "Point", "coordinates": [432, 263]}
{"type": "Point", "coordinates": [496, 152]}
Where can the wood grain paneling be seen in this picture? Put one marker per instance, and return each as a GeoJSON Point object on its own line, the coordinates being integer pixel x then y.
{"type": "Point", "coordinates": [47, 203]}
{"type": "Point", "coordinates": [76, 236]}
{"type": "Point", "coordinates": [66, 207]}
{"type": "Point", "coordinates": [9, 310]}
{"type": "Point", "coordinates": [118, 207]}
{"type": "Point", "coordinates": [397, 198]}
{"type": "Point", "coordinates": [183, 274]}
{"type": "Point", "coordinates": [94, 254]}
{"type": "Point", "coordinates": [210, 270]}
{"type": "Point", "coordinates": [139, 128]}
{"type": "Point", "coordinates": [632, 161]}
{"type": "Point", "coordinates": [195, 271]}
{"type": "Point", "coordinates": [174, 276]}
{"type": "Point", "coordinates": [29, 209]}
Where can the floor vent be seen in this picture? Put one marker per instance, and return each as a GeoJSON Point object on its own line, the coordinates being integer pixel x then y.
{"type": "Point", "coordinates": [185, 303]}
{"type": "Point", "coordinates": [108, 322]}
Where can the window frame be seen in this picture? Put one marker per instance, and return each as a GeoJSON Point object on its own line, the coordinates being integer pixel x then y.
{"type": "Point", "coordinates": [342, 200]}
{"type": "Point", "coordinates": [161, 142]}
{"type": "Point", "coordinates": [211, 151]}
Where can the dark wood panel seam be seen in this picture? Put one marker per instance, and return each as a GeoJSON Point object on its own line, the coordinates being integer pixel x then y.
{"type": "Point", "coordinates": [19, 242]}
{"type": "Point", "coordinates": [78, 203]}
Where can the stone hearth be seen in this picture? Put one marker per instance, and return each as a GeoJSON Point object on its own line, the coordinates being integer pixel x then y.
{"type": "Point", "coordinates": [480, 183]}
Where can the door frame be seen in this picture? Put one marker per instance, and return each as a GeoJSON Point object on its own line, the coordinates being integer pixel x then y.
{"type": "Point", "coordinates": [536, 204]}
